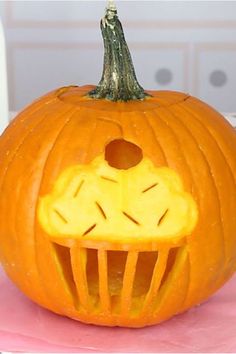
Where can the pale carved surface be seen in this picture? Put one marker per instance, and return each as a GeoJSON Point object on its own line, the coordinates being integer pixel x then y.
{"type": "Point", "coordinates": [141, 203]}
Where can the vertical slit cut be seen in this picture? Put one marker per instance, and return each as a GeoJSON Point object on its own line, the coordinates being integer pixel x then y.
{"type": "Point", "coordinates": [170, 264]}
{"type": "Point", "coordinates": [92, 275]}
{"type": "Point", "coordinates": [116, 261]}
{"type": "Point", "coordinates": [128, 282]}
{"type": "Point", "coordinates": [79, 261]}
{"type": "Point", "coordinates": [64, 261]}
{"type": "Point", "coordinates": [144, 270]}
{"type": "Point", "coordinates": [143, 277]}
{"type": "Point", "coordinates": [158, 272]}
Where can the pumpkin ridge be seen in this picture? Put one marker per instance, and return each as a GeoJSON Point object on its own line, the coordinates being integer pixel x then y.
{"type": "Point", "coordinates": [23, 117]}
{"type": "Point", "coordinates": [117, 123]}
{"type": "Point", "coordinates": [18, 146]}
{"type": "Point", "coordinates": [215, 140]}
{"type": "Point", "coordinates": [93, 131]}
{"type": "Point", "coordinates": [136, 140]}
{"type": "Point", "coordinates": [176, 118]}
{"type": "Point", "coordinates": [61, 278]}
{"type": "Point", "coordinates": [29, 132]}
{"type": "Point", "coordinates": [216, 143]}
{"type": "Point", "coordinates": [192, 178]}
{"type": "Point", "coordinates": [149, 124]}
{"type": "Point", "coordinates": [222, 234]}
{"type": "Point", "coordinates": [182, 257]}
{"type": "Point", "coordinates": [189, 171]}
{"type": "Point", "coordinates": [36, 205]}
{"type": "Point", "coordinates": [172, 131]}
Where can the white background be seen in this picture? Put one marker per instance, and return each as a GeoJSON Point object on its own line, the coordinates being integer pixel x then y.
{"type": "Point", "coordinates": [57, 43]}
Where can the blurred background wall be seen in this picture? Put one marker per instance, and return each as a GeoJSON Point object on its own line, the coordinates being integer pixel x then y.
{"type": "Point", "coordinates": [179, 45]}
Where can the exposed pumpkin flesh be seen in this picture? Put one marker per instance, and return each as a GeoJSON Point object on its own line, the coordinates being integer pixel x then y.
{"type": "Point", "coordinates": [99, 202]}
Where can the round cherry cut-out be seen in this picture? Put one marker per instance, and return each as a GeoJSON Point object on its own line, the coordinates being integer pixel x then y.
{"type": "Point", "coordinates": [123, 154]}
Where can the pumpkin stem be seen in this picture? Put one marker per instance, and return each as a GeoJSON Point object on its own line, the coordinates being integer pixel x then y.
{"type": "Point", "coordinates": [118, 82]}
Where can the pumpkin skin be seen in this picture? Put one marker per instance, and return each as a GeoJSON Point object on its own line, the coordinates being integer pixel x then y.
{"type": "Point", "coordinates": [67, 128]}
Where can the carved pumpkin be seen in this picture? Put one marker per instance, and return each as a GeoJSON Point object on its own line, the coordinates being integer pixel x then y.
{"type": "Point", "coordinates": [118, 205]}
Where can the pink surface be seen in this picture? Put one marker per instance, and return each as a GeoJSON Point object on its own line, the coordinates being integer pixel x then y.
{"type": "Point", "coordinates": [25, 326]}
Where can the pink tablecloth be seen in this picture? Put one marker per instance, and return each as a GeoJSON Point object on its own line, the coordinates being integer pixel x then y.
{"type": "Point", "coordinates": [25, 326]}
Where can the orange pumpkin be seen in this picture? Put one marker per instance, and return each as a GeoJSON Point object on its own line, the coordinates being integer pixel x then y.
{"type": "Point", "coordinates": [118, 205]}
